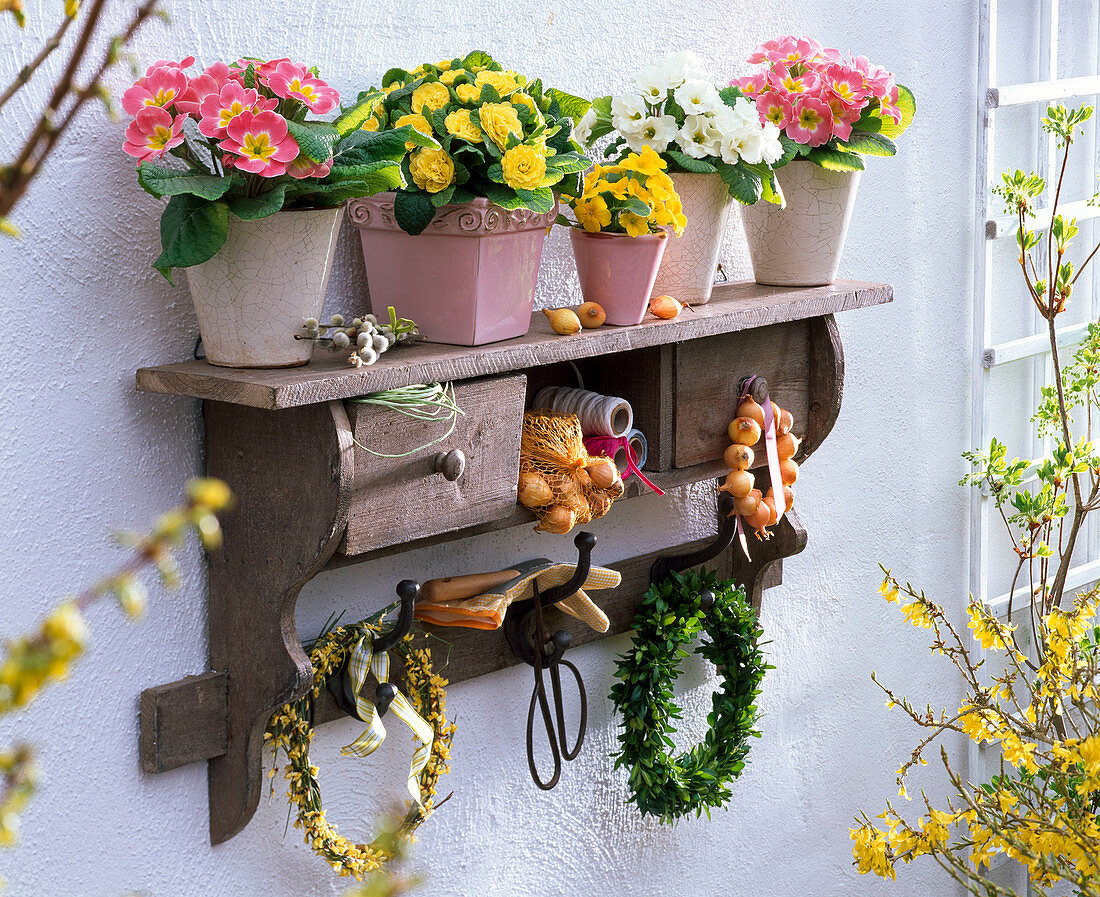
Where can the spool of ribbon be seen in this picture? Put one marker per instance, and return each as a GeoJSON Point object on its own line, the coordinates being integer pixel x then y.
{"type": "Point", "coordinates": [599, 415]}
{"type": "Point", "coordinates": [613, 447]}
{"type": "Point", "coordinates": [361, 663]}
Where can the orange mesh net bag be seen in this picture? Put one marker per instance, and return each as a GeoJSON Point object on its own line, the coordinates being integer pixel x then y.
{"type": "Point", "coordinates": [558, 479]}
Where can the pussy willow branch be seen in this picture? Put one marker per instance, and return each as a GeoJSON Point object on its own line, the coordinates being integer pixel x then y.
{"type": "Point", "coordinates": [15, 179]}
{"type": "Point", "coordinates": [27, 72]}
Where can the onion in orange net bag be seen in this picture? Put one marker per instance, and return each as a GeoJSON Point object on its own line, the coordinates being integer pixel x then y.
{"type": "Point", "coordinates": [558, 479]}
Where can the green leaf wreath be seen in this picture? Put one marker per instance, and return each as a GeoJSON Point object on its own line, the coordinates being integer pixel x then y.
{"type": "Point", "coordinates": [669, 618]}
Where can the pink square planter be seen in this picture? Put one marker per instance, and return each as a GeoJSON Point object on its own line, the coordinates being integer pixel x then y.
{"type": "Point", "coordinates": [468, 279]}
{"type": "Point", "coordinates": [617, 271]}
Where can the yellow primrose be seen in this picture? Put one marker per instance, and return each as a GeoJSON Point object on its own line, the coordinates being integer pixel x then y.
{"type": "Point", "coordinates": [459, 124]}
{"type": "Point", "coordinates": [432, 169]}
{"type": "Point", "coordinates": [444, 64]}
{"type": "Point", "coordinates": [419, 122]}
{"type": "Point", "coordinates": [432, 94]}
{"type": "Point", "coordinates": [397, 85]}
{"type": "Point", "coordinates": [498, 120]}
{"type": "Point", "coordinates": [647, 162]}
{"type": "Point", "coordinates": [522, 99]}
{"type": "Point", "coordinates": [524, 168]}
{"type": "Point", "coordinates": [503, 83]}
{"type": "Point", "coordinates": [592, 213]}
{"type": "Point", "coordinates": [467, 93]}
{"type": "Point", "coordinates": [449, 77]}
{"type": "Point", "coordinates": [634, 225]}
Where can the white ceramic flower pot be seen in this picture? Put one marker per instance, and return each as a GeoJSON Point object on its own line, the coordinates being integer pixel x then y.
{"type": "Point", "coordinates": [271, 274]}
{"type": "Point", "coordinates": [691, 260]}
{"type": "Point", "coordinates": [801, 245]}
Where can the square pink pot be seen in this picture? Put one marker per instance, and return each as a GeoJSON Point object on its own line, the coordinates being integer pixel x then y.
{"type": "Point", "coordinates": [617, 271]}
{"type": "Point", "coordinates": [468, 279]}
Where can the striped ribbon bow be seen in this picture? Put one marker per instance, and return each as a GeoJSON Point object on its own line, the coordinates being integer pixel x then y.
{"type": "Point", "coordinates": [362, 662]}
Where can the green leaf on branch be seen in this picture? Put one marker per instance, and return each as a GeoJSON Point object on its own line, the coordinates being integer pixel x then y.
{"type": "Point", "coordinates": [685, 162]}
{"type": "Point", "coordinates": [250, 208]}
{"type": "Point", "coordinates": [192, 230]}
{"type": "Point", "coordinates": [317, 139]}
{"type": "Point", "coordinates": [413, 211]}
{"type": "Point", "coordinates": [160, 180]}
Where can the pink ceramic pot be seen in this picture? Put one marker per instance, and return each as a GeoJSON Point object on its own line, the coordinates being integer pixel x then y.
{"type": "Point", "coordinates": [466, 280]}
{"type": "Point", "coordinates": [617, 271]}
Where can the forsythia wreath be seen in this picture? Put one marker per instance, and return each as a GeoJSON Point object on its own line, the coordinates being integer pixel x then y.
{"type": "Point", "coordinates": [291, 730]}
{"type": "Point", "coordinates": [669, 618]}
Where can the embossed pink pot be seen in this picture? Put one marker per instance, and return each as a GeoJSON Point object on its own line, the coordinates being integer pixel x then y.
{"type": "Point", "coordinates": [271, 274]}
{"type": "Point", "coordinates": [691, 261]}
{"type": "Point", "coordinates": [617, 271]}
{"type": "Point", "coordinates": [468, 279]}
{"type": "Point", "coordinates": [801, 245]}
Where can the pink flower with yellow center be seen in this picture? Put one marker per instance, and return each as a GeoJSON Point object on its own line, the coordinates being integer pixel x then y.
{"type": "Point", "coordinates": [847, 84]}
{"type": "Point", "coordinates": [773, 108]}
{"type": "Point", "coordinates": [262, 142]}
{"type": "Point", "coordinates": [294, 82]}
{"type": "Point", "coordinates": [305, 167]}
{"type": "Point", "coordinates": [788, 50]}
{"type": "Point", "coordinates": [752, 85]}
{"type": "Point", "coordinates": [202, 86]}
{"type": "Point", "coordinates": [152, 133]}
{"type": "Point", "coordinates": [161, 86]}
{"type": "Point", "coordinates": [890, 104]}
{"type": "Point", "coordinates": [786, 81]}
{"type": "Point", "coordinates": [811, 122]}
{"type": "Point", "coordinates": [217, 110]}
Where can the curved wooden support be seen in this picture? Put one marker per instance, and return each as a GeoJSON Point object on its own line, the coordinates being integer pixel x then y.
{"type": "Point", "coordinates": [788, 538]}
{"type": "Point", "coordinates": [826, 383]}
{"type": "Point", "coordinates": [291, 474]}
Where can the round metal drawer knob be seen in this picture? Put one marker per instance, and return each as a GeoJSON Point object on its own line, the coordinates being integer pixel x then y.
{"type": "Point", "coordinates": [451, 464]}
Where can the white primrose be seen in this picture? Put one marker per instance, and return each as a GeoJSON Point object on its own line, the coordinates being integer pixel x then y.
{"type": "Point", "coordinates": [656, 132]}
{"type": "Point", "coordinates": [698, 97]}
{"type": "Point", "coordinates": [628, 113]}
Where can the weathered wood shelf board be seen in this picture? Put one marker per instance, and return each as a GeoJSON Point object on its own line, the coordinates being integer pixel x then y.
{"type": "Point", "coordinates": [310, 497]}
{"type": "Point", "coordinates": [735, 306]}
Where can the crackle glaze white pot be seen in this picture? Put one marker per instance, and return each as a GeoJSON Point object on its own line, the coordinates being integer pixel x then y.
{"type": "Point", "coordinates": [691, 260]}
{"type": "Point", "coordinates": [271, 274]}
{"type": "Point", "coordinates": [801, 245]}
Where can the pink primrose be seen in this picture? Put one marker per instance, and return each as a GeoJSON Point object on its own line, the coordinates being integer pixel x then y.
{"type": "Point", "coordinates": [294, 82]}
{"type": "Point", "coordinates": [219, 109]}
{"type": "Point", "coordinates": [152, 133]}
{"type": "Point", "coordinates": [811, 122]}
{"type": "Point", "coordinates": [774, 108]}
{"type": "Point", "coordinates": [162, 86]}
{"type": "Point", "coordinates": [847, 84]}
{"type": "Point", "coordinates": [262, 141]}
{"type": "Point", "coordinates": [305, 167]}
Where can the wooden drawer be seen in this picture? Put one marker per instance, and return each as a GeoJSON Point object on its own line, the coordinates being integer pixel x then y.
{"type": "Point", "coordinates": [708, 372]}
{"type": "Point", "coordinates": [395, 500]}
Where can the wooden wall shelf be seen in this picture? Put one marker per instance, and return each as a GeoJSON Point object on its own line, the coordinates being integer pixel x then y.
{"type": "Point", "coordinates": [284, 440]}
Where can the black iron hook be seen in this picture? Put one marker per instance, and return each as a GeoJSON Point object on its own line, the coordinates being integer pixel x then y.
{"type": "Point", "coordinates": [585, 542]}
{"type": "Point", "coordinates": [727, 529]}
{"type": "Point", "coordinates": [407, 590]}
{"type": "Point", "coordinates": [757, 389]}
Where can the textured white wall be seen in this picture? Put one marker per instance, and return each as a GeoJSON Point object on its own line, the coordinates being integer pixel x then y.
{"type": "Point", "coordinates": [81, 453]}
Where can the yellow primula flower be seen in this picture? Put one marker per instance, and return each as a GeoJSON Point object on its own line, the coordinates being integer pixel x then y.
{"type": "Point", "coordinates": [499, 120]}
{"type": "Point", "coordinates": [647, 162]}
{"type": "Point", "coordinates": [459, 124]}
{"type": "Point", "coordinates": [634, 225]}
{"type": "Point", "coordinates": [467, 93]}
{"type": "Point", "coordinates": [390, 88]}
{"type": "Point", "coordinates": [419, 122]}
{"type": "Point", "coordinates": [592, 213]}
{"type": "Point", "coordinates": [524, 168]}
{"type": "Point", "coordinates": [503, 83]}
{"type": "Point", "coordinates": [521, 99]}
{"type": "Point", "coordinates": [432, 94]}
{"type": "Point", "coordinates": [444, 65]}
{"type": "Point", "coordinates": [432, 169]}
{"type": "Point", "coordinates": [449, 77]}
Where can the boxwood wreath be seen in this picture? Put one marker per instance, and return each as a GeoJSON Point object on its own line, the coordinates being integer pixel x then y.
{"type": "Point", "coordinates": [291, 731]}
{"type": "Point", "coordinates": [669, 618]}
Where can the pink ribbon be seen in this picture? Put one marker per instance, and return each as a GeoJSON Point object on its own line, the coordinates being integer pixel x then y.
{"type": "Point", "coordinates": [611, 446]}
{"type": "Point", "coordinates": [771, 449]}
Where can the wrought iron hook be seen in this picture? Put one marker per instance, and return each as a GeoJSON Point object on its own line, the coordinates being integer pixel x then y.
{"type": "Point", "coordinates": [727, 529]}
{"type": "Point", "coordinates": [341, 690]}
